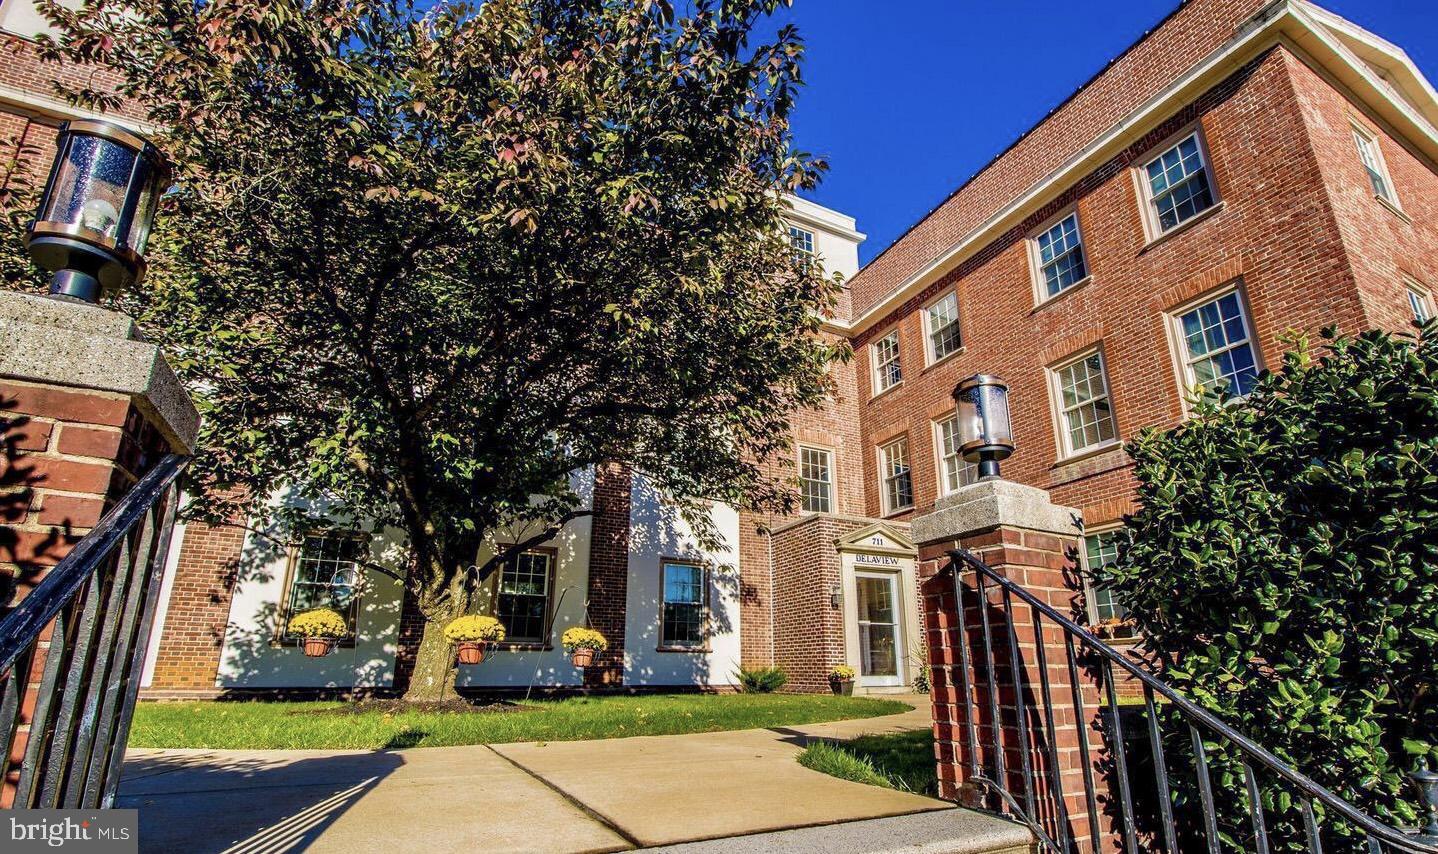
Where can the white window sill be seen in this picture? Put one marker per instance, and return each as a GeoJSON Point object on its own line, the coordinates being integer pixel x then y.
{"type": "Point", "coordinates": [1089, 453]}
{"type": "Point", "coordinates": [935, 363]}
{"type": "Point", "coordinates": [1183, 226]}
{"type": "Point", "coordinates": [1048, 301]}
{"type": "Point", "coordinates": [878, 395]}
{"type": "Point", "coordinates": [1393, 208]}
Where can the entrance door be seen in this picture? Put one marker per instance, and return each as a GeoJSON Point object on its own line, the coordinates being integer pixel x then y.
{"type": "Point", "coordinates": [881, 647]}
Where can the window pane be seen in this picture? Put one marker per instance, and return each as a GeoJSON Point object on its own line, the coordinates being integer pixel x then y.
{"type": "Point", "coordinates": [887, 373]}
{"type": "Point", "coordinates": [898, 481]}
{"type": "Point", "coordinates": [1219, 354]}
{"type": "Point", "coordinates": [683, 607]}
{"type": "Point", "coordinates": [1178, 184]}
{"type": "Point", "coordinates": [801, 240]}
{"type": "Point", "coordinates": [815, 480]}
{"type": "Point", "coordinates": [326, 575]}
{"type": "Point", "coordinates": [1083, 396]}
{"type": "Point", "coordinates": [522, 605]}
{"type": "Point", "coordinates": [1061, 256]}
{"type": "Point", "coordinates": [944, 326]}
{"type": "Point", "coordinates": [1100, 550]}
{"type": "Point", "coordinates": [1418, 302]}
{"type": "Point", "coordinates": [1368, 153]}
{"type": "Point", "coordinates": [957, 471]}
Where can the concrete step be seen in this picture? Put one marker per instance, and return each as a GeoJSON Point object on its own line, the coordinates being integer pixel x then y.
{"type": "Point", "coordinates": [956, 831]}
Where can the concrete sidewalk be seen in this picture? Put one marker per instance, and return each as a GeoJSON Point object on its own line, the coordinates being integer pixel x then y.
{"type": "Point", "coordinates": [607, 795]}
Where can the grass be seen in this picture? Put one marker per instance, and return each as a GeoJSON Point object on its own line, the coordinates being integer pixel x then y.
{"type": "Point", "coordinates": [903, 760]}
{"type": "Point", "coordinates": [260, 725]}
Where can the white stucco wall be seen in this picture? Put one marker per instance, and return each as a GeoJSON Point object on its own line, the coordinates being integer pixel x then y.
{"type": "Point", "coordinates": [835, 239]}
{"type": "Point", "coordinates": [251, 658]}
{"type": "Point", "coordinates": [656, 532]}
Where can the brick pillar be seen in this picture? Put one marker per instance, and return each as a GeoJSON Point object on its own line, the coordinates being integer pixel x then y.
{"type": "Point", "coordinates": [1024, 537]}
{"type": "Point", "coordinates": [609, 572]}
{"type": "Point", "coordinates": [87, 408]}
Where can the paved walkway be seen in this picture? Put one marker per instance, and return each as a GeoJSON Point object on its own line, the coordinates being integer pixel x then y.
{"type": "Point", "coordinates": [608, 795]}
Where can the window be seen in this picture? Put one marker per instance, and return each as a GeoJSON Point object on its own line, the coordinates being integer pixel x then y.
{"type": "Point", "coordinates": [801, 240]}
{"type": "Point", "coordinates": [1100, 550]}
{"type": "Point", "coordinates": [1085, 416]}
{"type": "Point", "coordinates": [682, 619]}
{"type": "Point", "coordinates": [941, 319]}
{"type": "Point", "coordinates": [898, 479]}
{"type": "Point", "coordinates": [325, 574]}
{"type": "Point", "coordinates": [816, 480]}
{"type": "Point", "coordinates": [1179, 187]}
{"type": "Point", "coordinates": [522, 601]}
{"type": "Point", "coordinates": [1372, 158]}
{"type": "Point", "coordinates": [1218, 352]}
{"type": "Point", "coordinates": [1420, 302]}
{"type": "Point", "coordinates": [954, 470]}
{"type": "Point", "coordinates": [887, 372]}
{"type": "Point", "coordinates": [1061, 257]}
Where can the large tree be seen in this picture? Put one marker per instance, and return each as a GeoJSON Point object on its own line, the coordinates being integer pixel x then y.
{"type": "Point", "coordinates": [428, 261]}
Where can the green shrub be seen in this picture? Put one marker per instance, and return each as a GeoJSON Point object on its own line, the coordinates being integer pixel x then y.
{"type": "Point", "coordinates": [1283, 572]}
{"type": "Point", "coordinates": [761, 680]}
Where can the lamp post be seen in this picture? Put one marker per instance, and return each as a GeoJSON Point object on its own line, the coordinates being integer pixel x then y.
{"type": "Point", "coordinates": [97, 208]}
{"type": "Point", "coordinates": [985, 434]}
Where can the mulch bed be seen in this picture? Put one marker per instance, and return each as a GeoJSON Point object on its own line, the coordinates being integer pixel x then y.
{"type": "Point", "coordinates": [393, 707]}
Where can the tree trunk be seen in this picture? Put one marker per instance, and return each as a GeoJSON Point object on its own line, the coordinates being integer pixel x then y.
{"type": "Point", "coordinates": [434, 665]}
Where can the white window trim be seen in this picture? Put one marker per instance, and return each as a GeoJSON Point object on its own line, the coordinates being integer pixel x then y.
{"type": "Point", "coordinates": [1153, 229]}
{"type": "Point", "coordinates": [1178, 346]}
{"type": "Point", "coordinates": [930, 358]}
{"type": "Point", "coordinates": [875, 366]}
{"type": "Point", "coordinates": [833, 475]}
{"type": "Point", "coordinates": [1036, 265]}
{"type": "Point", "coordinates": [885, 509]}
{"type": "Point", "coordinates": [812, 251]}
{"type": "Point", "coordinates": [1372, 137]}
{"type": "Point", "coordinates": [1066, 451]}
{"type": "Point", "coordinates": [1425, 296]}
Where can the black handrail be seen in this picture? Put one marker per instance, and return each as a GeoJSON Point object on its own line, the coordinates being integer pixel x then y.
{"type": "Point", "coordinates": [1377, 831]}
{"type": "Point", "coordinates": [99, 603]}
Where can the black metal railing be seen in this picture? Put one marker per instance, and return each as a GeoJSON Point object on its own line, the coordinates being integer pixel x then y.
{"type": "Point", "coordinates": [1265, 806]}
{"type": "Point", "coordinates": [68, 693]}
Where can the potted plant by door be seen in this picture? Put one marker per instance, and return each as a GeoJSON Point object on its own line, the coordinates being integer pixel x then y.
{"type": "Point", "coordinates": [841, 680]}
{"type": "Point", "coordinates": [472, 634]}
{"type": "Point", "coordinates": [320, 629]}
{"type": "Point", "coordinates": [583, 644]}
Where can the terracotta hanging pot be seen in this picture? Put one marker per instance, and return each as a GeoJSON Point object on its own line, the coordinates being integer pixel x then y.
{"type": "Point", "coordinates": [582, 657]}
{"type": "Point", "coordinates": [471, 652]}
{"type": "Point", "coordinates": [318, 647]}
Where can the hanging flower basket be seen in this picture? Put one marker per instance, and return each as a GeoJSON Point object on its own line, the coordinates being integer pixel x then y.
{"type": "Point", "coordinates": [583, 645]}
{"type": "Point", "coordinates": [472, 634]}
{"type": "Point", "coordinates": [841, 680]}
{"type": "Point", "coordinates": [320, 628]}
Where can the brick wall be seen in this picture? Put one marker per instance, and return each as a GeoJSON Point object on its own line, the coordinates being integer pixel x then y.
{"type": "Point", "coordinates": [1276, 234]}
{"type": "Point", "coordinates": [609, 571]}
{"type": "Point", "coordinates": [809, 630]}
{"type": "Point", "coordinates": [68, 455]}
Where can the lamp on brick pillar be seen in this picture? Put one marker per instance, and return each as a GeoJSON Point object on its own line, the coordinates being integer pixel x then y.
{"type": "Point", "coordinates": [985, 434]}
{"type": "Point", "coordinates": [95, 214]}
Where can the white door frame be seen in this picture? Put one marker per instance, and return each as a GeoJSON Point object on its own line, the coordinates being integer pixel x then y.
{"type": "Point", "coordinates": [897, 604]}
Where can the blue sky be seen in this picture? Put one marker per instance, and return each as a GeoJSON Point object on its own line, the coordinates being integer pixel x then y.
{"type": "Point", "coordinates": [909, 99]}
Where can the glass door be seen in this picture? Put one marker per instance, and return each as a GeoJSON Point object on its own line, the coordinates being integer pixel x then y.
{"type": "Point", "coordinates": [880, 642]}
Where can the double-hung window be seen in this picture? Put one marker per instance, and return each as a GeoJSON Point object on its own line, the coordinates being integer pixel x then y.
{"type": "Point", "coordinates": [1085, 413]}
{"type": "Point", "coordinates": [941, 322]}
{"type": "Point", "coordinates": [887, 371]}
{"type": "Point", "coordinates": [325, 574]}
{"type": "Point", "coordinates": [1372, 158]}
{"type": "Point", "coordinates": [1060, 257]}
{"type": "Point", "coordinates": [1179, 185]}
{"type": "Point", "coordinates": [816, 480]}
{"type": "Point", "coordinates": [522, 600]}
{"type": "Point", "coordinates": [801, 240]}
{"type": "Point", "coordinates": [682, 613]}
{"type": "Point", "coordinates": [897, 477]}
{"type": "Point", "coordinates": [954, 471]}
{"type": "Point", "coordinates": [1420, 302]}
{"type": "Point", "coordinates": [1217, 346]}
{"type": "Point", "coordinates": [1100, 550]}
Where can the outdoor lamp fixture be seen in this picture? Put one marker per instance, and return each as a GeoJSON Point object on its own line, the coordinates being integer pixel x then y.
{"type": "Point", "coordinates": [96, 211]}
{"type": "Point", "coordinates": [984, 431]}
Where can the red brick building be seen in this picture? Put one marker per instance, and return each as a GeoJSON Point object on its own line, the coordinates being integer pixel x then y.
{"type": "Point", "coordinates": [1246, 169]}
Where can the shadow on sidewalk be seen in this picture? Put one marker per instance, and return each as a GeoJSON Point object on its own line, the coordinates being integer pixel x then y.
{"type": "Point", "coordinates": [218, 803]}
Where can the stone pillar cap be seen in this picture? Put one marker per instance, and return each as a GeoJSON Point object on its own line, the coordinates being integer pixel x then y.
{"type": "Point", "coordinates": [78, 345]}
{"type": "Point", "coordinates": [991, 504]}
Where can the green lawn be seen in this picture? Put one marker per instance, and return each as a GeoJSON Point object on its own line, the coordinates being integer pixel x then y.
{"type": "Point", "coordinates": [239, 725]}
{"type": "Point", "coordinates": [903, 760]}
